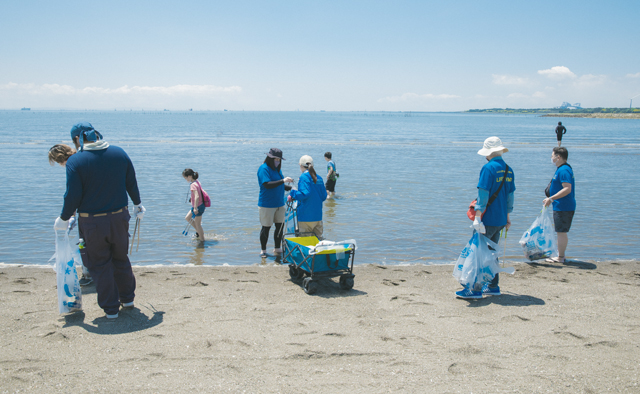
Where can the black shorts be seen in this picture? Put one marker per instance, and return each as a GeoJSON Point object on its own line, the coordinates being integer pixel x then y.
{"type": "Point", "coordinates": [559, 137]}
{"type": "Point", "coordinates": [562, 220]}
{"type": "Point", "coordinates": [330, 185]}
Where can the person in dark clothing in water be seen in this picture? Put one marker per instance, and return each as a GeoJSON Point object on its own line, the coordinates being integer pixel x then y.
{"type": "Point", "coordinates": [560, 131]}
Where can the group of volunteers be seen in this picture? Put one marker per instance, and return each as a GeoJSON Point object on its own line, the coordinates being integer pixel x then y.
{"type": "Point", "coordinates": [496, 188]}
{"type": "Point", "coordinates": [101, 179]}
{"type": "Point", "coordinates": [310, 195]}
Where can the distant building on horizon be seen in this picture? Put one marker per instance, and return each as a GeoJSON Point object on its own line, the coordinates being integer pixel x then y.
{"type": "Point", "coordinates": [566, 105]}
{"type": "Point", "coordinates": [25, 109]}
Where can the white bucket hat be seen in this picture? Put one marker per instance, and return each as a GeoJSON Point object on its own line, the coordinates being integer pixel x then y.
{"type": "Point", "coordinates": [305, 161]}
{"type": "Point", "coordinates": [492, 144]}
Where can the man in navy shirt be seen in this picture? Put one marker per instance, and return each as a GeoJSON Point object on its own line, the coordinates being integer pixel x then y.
{"type": "Point", "coordinates": [491, 219]}
{"type": "Point", "coordinates": [99, 177]}
{"type": "Point", "coordinates": [562, 192]}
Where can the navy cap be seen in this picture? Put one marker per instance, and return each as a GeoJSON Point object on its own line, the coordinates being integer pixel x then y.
{"type": "Point", "coordinates": [275, 153]}
{"type": "Point", "coordinates": [85, 130]}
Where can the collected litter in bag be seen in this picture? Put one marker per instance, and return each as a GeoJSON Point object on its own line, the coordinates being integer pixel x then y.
{"type": "Point", "coordinates": [478, 263]}
{"type": "Point", "coordinates": [540, 241]}
{"type": "Point", "coordinates": [291, 217]}
{"type": "Point", "coordinates": [69, 293]}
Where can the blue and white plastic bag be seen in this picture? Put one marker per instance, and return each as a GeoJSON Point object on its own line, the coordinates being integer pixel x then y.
{"type": "Point", "coordinates": [478, 264]}
{"type": "Point", "coordinates": [541, 240]}
{"type": "Point", "coordinates": [290, 218]}
{"type": "Point", "coordinates": [69, 293]}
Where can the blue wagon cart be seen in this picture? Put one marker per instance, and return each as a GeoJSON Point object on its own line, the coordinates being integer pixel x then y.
{"type": "Point", "coordinates": [310, 259]}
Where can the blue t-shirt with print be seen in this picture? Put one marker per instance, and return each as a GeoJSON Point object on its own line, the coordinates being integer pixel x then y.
{"type": "Point", "coordinates": [270, 198]}
{"type": "Point", "coordinates": [490, 179]}
{"type": "Point", "coordinates": [564, 174]}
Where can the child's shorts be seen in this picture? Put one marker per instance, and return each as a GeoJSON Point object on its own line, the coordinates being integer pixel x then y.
{"type": "Point", "coordinates": [200, 210]}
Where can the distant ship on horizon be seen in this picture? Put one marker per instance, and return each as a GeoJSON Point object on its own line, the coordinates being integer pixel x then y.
{"type": "Point", "coordinates": [25, 109]}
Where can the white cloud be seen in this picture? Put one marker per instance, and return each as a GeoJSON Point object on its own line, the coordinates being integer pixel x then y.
{"type": "Point", "coordinates": [557, 72]}
{"type": "Point", "coordinates": [517, 95]}
{"type": "Point", "coordinates": [538, 95]}
{"type": "Point", "coordinates": [66, 90]}
{"type": "Point", "coordinates": [412, 97]}
{"type": "Point", "coordinates": [509, 80]}
{"type": "Point", "coordinates": [636, 75]}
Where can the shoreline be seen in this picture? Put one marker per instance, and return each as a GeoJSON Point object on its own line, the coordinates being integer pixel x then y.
{"type": "Point", "coordinates": [555, 328]}
{"type": "Point", "coordinates": [594, 115]}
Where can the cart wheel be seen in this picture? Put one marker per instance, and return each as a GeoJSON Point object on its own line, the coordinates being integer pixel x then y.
{"type": "Point", "coordinates": [346, 282]}
{"type": "Point", "coordinates": [309, 285]}
{"type": "Point", "coordinates": [293, 272]}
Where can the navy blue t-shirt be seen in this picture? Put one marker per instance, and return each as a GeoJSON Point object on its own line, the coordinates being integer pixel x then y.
{"type": "Point", "coordinates": [490, 179]}
{"type": "Point", "coordinates": [98, 181]}
{"type": "Point", "coordinates": [270, 198]}
{"type": "Point", "coordinates": [564, 174]}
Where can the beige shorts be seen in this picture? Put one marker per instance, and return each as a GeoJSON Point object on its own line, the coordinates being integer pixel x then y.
{"type": "Point", "coordinates": [268, 216]}
{"type": "Point", "coordinates": [311, 227]}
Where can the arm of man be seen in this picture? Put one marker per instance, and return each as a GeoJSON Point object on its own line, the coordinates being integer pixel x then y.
{"type": "Point", "coordinates": [132, 184]}
{"type": "Point", "coordinates": [73, 195]}
{"type": "Point", "coordinates": [566, 189]}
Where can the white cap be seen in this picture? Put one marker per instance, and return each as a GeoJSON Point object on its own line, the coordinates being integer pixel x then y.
{"type": "Point", "coordinates": [306, 160]}
{"type": "Point", "coordinates": [492, 144]}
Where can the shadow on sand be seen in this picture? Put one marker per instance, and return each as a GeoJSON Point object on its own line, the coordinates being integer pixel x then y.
{"type": "Point", "coordinates": [129, 320]}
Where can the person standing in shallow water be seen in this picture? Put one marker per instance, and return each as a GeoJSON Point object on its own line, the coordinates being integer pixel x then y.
{"type": "Point", "coordinates": [271, 199]}
{"type": "Point", "coordinates": [196, 197]}
{"type": "Point", "coordinates": [562, 194]}
{"type": "Point", "coordinates": [492, 218]}
{"type": "Point", "coordinates": [310, 195]}
{"type": "Point", "coordinates": [560, 131]}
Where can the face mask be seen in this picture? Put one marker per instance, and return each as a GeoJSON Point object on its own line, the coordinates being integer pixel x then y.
{"type": "Point", "coordinates": [553, 161]}
{"type": "Point", "coordinates": [276, 162]}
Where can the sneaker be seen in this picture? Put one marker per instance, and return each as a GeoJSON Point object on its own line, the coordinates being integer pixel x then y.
{"type": "Point", "coordinates": [263, 253]}
{"type": "Point", "coordinates": [490, 291]}
{"type": "Point", "coordinates": [127, 305]}
{"type": "Point", "coordinates": [468, 294]}
{"type": "Point", "coordinates": [85, 280]}
{"type": "Point", "coordinates": [112, 316]}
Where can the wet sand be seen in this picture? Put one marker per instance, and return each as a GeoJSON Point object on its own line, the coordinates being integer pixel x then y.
{"type": "Point", "coordinates": [572, 328]}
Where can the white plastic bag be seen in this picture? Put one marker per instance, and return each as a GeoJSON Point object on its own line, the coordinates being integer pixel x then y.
{"type": "Point", "coordinates": [541, 240]}
{"type": "Point", "coordinates": [69, 293]}
{"type": "Point", "coordinates": [478, 264]}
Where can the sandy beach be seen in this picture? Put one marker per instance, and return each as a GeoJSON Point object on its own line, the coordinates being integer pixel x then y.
{"type": "Point", "coordinates": [572, 328]}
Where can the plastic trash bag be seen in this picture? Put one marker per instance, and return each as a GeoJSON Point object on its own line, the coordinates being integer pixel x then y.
{"type": "Point", "coordinates": [290, 218]}
{"type": "Point", "coordinates": [541, 240]}
{"type": "Point", "coordinates": [339, 247]}
{"type": "Point", "coordinates": [478, 264]}
{"type": "Point", "coordinates": [69, 293]}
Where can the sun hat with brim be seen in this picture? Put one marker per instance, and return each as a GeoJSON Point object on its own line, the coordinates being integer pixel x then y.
{"type": "Point", "coordinates": [85, 130]}
{"type": "Point", "coordinates": [275, 153]}
{"type": "Point", "coordinates": [491, 145]}
{"type": "Point", "coordinates": [305, 161]}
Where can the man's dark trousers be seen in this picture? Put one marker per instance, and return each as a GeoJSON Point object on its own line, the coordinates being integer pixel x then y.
{"type": "Point", "coordinates": [105, 256]}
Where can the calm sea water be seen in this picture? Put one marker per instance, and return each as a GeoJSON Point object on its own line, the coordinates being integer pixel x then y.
{"type": "Point", "coordinates": [405, 181]}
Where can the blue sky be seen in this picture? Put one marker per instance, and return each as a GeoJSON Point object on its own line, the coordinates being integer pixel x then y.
{"type": "Point", "coordinates": [322, 55]}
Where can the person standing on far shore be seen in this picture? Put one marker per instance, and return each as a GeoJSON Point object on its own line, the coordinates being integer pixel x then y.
{"type": "Point", "coordinates": [562, 193]}
{"type": "Point", "coordinates": [560, 131]}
